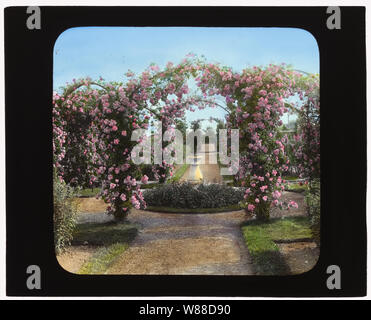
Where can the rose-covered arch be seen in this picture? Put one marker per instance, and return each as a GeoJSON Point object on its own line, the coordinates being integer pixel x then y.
{"type": "Point", "coordinates": [93, 123]}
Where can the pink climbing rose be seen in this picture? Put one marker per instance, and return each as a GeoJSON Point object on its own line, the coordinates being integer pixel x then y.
{"type": "Point", "coordinates": [144, 179]}
{"type": "Point", "coordinates": [250, 207]}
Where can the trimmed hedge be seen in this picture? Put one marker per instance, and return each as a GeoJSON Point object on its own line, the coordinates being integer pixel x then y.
{"type": "Point", "coordinates": [187, 195]}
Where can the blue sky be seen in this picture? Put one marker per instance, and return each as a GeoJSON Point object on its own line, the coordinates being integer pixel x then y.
{"type": "Point", "coordinates": [110, 52]}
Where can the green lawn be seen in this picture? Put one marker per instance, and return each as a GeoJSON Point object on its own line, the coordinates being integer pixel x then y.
{"type": "Point", "coordinates": [296, 187]}
{"type": "Point", "coordinates": [111, 239]}
{"type": "Point", "coordinates": [90, 192]}
{"type": "Point", "coordinates": [103, 259]}
{"type": "Point", "coordinates": [179, 173]}
{"type": "Point", "coordinates": [290, 178]}
{"type": "Point", "coordinates": [260, 237]}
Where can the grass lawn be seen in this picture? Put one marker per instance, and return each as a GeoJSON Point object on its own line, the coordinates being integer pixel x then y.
{"type": "Point", "coordinates": [179, 173]}
{"type": "Point", "coordinates": [111, 239]}
{"type": "Point", "coordinates": [88, 192]}
{"type": "Point", "coordinates": [260, 239]}
{"type": "Point", "coordinates": [197, 210]}
{"type": "Point", "coordinates": [290, 178]}
{"type": "Point", "coordinates": [296, 187]}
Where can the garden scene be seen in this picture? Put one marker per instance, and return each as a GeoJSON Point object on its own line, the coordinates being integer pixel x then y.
{"type": "Point", "coordinates": [224, 178]}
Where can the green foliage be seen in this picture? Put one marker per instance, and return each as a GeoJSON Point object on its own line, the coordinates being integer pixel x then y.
{"type": "Point", "coordinates": [260, 237]}
{"type": "Point", "coordinates": [64, 215]}
{"type": "Point", "coordinates": [181, 125]}
{"type": "Point", "coordinates": [262, 211]}
{"type": "Point", "coordinates": [146, 169]}
{"type": "Point", "coordinates": [313, 201]}
{"type": "Point", "coordinates": [195, 125]}
{"type": "Point", "coordinates": [187, 195]}
{"type": "Point", "coordinates": [307, 148]}
{"type": "Point", "coordinates": [149, 186]}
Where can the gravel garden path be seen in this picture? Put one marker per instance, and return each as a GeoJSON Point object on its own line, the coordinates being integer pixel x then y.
{"type": "Point", "coordinates": [202, 244]}
{"type": "Point", "coordinates": [173, 243]}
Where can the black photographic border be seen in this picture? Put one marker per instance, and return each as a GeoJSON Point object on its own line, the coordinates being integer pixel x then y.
{"type": "Point", "coordinates": [28, 111]}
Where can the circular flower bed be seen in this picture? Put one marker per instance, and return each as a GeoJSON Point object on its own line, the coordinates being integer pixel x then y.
{"type": "Point", "coordinates": [187, 195]}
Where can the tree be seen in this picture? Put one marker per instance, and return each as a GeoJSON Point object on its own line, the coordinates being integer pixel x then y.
{"type": "Point", "coordinates": [195, 124]}
{"type": "Point", "coordinates": [181, 125]}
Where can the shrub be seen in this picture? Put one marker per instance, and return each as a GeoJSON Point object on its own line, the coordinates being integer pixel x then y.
{"type": "Point", "coordinates": [64, 216]}
{"type": "Point", "coordinates": [313, 201]}
{"type": "Point", "coordinates": [147, 169]}
{"type": "Point", "coordinates": [187, 195]}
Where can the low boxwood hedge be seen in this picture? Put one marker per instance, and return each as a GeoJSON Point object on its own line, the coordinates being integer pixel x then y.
{"type": "Point", "coordinates": [187, 195]}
